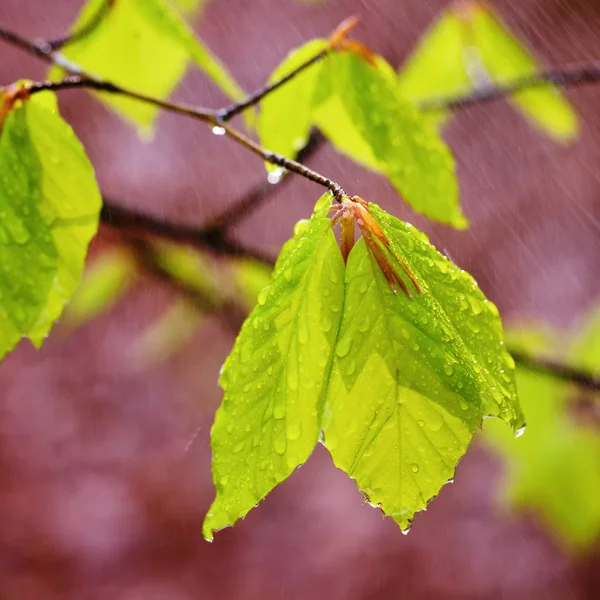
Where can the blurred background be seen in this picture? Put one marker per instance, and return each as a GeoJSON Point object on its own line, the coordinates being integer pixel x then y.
{"type": "Point", "coordinates": [104, 440]}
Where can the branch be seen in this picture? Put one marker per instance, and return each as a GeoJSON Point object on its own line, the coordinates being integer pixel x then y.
{"type": "Point", "coordinates": [138, 225]}
{"type": "Point", "coordinates": [83, 32]}
{"type": "Point", "coordinates": [568, 76]}
{"type": "Point", "coordinates": [556, 369]}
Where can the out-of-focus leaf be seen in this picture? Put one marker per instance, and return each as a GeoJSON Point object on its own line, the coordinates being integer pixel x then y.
{"type": "Point", "coordinates": [49, 204]}
{"type": "Point", "coordinates": [412, 378]}
{"type": "Point", "coordinates": [506, 59]}
{"type": "Point", "coordinates": [167, 335]}
{"type": "Point", "coordinates": [104, 283]}
{"type": "Point", "coordinates": [554, 469]}
{"type": "Point", "coordinates": [436, 68]}
{"type": "Point", "coordinates": [250, 278]}
{"type": "Point", "coordinates": [143, 45]}
{"type": "Point", "coordinates": [400, 142]}
{"type": "Point", "coordinates": [274, 379]}
{"type": "Point", "coordinates": [470, 43]}
{"type": "Point", "coordinates": [287, 113]}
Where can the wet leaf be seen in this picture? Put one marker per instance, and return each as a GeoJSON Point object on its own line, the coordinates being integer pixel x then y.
{"type": "Point", "coordinates": [49, 204]}
{"type": "Point", "coordinates": [275, 377]}
{"type": "Point", "coordinates": [143, 45]}
{"type": "Point", "coordinates": [413, 378]}
{"type": "Point", "coordinates": [400, 142]}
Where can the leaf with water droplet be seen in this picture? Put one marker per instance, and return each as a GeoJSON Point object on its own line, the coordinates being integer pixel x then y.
{"type": "Point", "coordinates": [48, 218]}
{"type": "Point", "coordinates": [416, 399]}
{"type": "Point", "coordinates": [286, 408]}
{"type": "Point", "coordinates": [143, 45]}
{"type": "Point", "coordinates": [369, 113]}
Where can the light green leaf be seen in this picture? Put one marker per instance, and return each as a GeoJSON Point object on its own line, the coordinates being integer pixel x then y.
{"type": "Point", "coordinates": [287, 113]}
{"type": "Point", "coordinates": [143, 45]}
{"type": "Point", "coordinates": [274, 379]}
{"type": "Point", "coordinates": [413, 378]}
{"type": "Point", "coordinates": [554, 469]}
{"type": "Point", "coordinates": [104, 283]}
{"type": "Point", "coordinates": [436, 68]}
{"type": "Point", "coordinates": [506, 59]}
{"type": "Point", "coordinates": [49, 204]}
{"type": "Point", "coordinates": [401, 143]}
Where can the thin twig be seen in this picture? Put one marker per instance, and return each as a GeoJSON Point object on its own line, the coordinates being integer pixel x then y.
{"type": "Point", "coordinates": [224, 114]}
{"type": "Point", "coordinates": [83, 31]}
{"type": "Point", "coordinates": [567, 76]}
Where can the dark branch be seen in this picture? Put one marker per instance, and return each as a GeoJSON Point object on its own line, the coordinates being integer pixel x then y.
{"type": "Point", "coordinates": [83, 32]}
{"type": "Point", "coordinates": [209, 238]}
{"type": "Point", "coordinates": [568, 76]}
{"type": "Point", "coordinates": [556, 369]}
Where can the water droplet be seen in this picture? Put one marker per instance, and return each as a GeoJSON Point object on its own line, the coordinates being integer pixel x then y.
{"type": "Point", "coordinates": [421, 423]}
{"type": "Point", "coordinates": [364, 324]}
{"type": "Point", "coordinates": [520, 432]}
{"type": "Point", "coordinates": [343, 348]}
{"type": "Point", "coordinates": [218, 130]}
{"type": "Point", "coordinates": [462, 403]}
{"type": "Point", "coordinates": [448, 369]}
{"type": "Point", "coordinates": [223, 480]}
{"type": "Point", "coordinates": [293, 431]}
{"type": "Point", "coordinates": [263, 295]}
{"type": "Point", "coordinates": [414, 467]}
{"type": "Point", "coordinates": [274, 177]}
{"type": "Point", "coordinates": [288, 274]}
{"type": "Point", "coordinates": [279, 445]}
{"type": "Point", "coordinates": [292, 379]}
{"type": "Point", "coordinates": [333, 277]}
{"type": "Point", "coordinates": [238, 447]}
{"type": "Point", "coordinates": [325, 323]}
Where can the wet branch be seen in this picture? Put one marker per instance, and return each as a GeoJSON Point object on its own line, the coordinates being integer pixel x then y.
{"type": "Point", "coordinates": [565, 77]}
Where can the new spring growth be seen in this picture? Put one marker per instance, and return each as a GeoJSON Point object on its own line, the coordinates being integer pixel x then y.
{"type": "Point", "coordinates": [356, 209]}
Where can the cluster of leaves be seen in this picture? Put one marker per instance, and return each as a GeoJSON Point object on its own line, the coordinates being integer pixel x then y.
{"type": "Point", "coordinates": [393, 384]}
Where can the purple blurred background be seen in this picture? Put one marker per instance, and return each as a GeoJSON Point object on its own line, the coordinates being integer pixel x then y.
{"type": "Point", "coordinates": [101, 493]}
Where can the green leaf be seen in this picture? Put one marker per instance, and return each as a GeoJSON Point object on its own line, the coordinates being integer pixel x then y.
{"type": "Point", "coordinates": [436, 68]}
{"type": "Point", "coordinates": [143, 45]}
{"type": "Point", "coordinates": [413, 378]}
{"type": "Point", "coordinates": [49, 204]}
{"type": "Point", "coordinates": [274, 379]}
{"type": "Point", "coordinates": [506, 59]}
{"type": "Point", "coordinates": [287, 113]}
{"type": "Point", "coordinates": [554, 469]}
{"type": "Point", "coordinates": [401, 143]}
{"type": "Point", "coordinates": [104, 283]}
